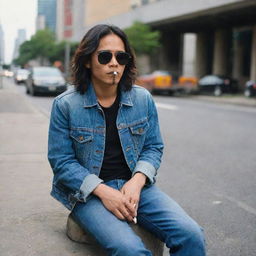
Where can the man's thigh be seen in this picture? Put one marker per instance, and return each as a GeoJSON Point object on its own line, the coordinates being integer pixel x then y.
{"type": "Point", "coordinates": [161, 215]}
{"type": "Point", "coordinates": [107, 229]}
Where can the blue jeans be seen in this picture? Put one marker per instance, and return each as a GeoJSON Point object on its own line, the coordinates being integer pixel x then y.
{"type": "Point", "coordinates": [157, 213]}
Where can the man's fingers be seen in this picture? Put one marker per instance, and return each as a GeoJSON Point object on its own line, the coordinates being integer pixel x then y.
{"type": "Point", "coordinates": [119, 215]}
{"type": "Point", "coordinates": [131, 208]}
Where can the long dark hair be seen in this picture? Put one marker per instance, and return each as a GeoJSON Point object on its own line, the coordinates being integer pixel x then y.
{"type": "Point", "coordinates": [81, 76]}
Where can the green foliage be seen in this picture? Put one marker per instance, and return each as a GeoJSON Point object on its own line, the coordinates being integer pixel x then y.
{"type": "Point", "coordinates": [58, 52]}
{"type": "Point", "coordinates": [42, 46]}
{"type": "Point", "coordinates": [42, 43]}
{"type": "Point", "coordinates": [6, 66]}
{"type": "Point", "coordinates": [142, 38]}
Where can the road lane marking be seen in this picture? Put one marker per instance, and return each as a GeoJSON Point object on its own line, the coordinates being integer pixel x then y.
{"type": "Point", "coordinates": [166, 106]}
{"type": "Point", "coordinates": [239, 203]}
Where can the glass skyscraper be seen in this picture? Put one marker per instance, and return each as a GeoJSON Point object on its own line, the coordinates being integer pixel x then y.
{"type": "Point", "coordinates": [47, 8]}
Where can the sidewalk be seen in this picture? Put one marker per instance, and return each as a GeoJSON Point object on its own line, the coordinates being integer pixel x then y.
{"type": "Point", "coordinates": [227, 99]}
{"type": "Point", "coordinates": [31, 222]}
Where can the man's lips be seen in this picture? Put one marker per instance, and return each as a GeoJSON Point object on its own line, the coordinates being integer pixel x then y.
{"type": "Point", "coordinates": [113, 73]}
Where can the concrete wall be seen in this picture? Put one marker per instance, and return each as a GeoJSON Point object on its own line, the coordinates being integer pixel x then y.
{"type": "Point", "coordinates": [189, 55]}
{"type": "Point", "coordinates": [201, 55]}
{"type": "Point", "coordinates": [99, 10]}
{"type": "Point", "coordinates": [165, 11]}
{"type": "Point", "coordinates": [220, 52]}
{"type": "Point", "coordinates": [253, 54]}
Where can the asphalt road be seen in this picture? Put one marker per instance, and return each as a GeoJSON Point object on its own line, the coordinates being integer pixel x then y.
{"type": "Point", "coordinates": [209, 167]}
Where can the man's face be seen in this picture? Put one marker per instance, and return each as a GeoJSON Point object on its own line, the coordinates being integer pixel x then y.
{"type": "Point", "coordinates": [102, 74]}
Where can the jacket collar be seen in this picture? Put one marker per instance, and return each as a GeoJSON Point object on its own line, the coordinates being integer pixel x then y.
{"type": "Point", "coordinates": [90, 99]}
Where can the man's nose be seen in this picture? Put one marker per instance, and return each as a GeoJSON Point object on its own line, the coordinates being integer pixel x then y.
{"type": "Point", "coordinates": [113, 61]}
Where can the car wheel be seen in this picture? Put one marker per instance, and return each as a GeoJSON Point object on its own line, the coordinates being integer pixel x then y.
{"type": "Point", "coordinates": [217, 91]}
{"type": "Point", "coordinates": [248, 93]}
{"type": "Point", "coordinates": [32, 91]}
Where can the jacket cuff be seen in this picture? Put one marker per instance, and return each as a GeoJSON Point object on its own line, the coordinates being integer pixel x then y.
{"type": "Point", "coordinates": [90, 182]}
{"type": "Point", "coordinates": [147, 169]}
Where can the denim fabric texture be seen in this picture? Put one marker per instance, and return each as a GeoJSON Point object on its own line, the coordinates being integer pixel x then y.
{"type": "Point", "coordinates": [157, 213]}
{"type": "Point", "coordinates": [76, 141]}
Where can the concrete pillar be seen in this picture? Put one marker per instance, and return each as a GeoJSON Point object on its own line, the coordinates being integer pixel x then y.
{"type": "Point", "coordinates": [201, 55]}
{"type": "Point", "coordinates": [253, 54]}
{"type": "Point", "coordinates": [237, 59]}
{"type": "Point", "coordinates": [168, 56]}
{"type": "Point", "coordinates": [143, 64]}
{"type": "Point", "coordinates": [220, 59]}
{"type": "Point", "coordinates": [189, 55]}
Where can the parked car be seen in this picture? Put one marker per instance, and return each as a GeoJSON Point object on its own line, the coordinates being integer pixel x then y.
{"type": "Point", "coordinates": [250, 88]}
{"type": "Point", "coordinates": [158, 81]}
{"type": "Point", "coordinates": [21, 75]}
{"type": "Point", "coordinates": [217, 85]}
{"type": "Point", "coordinates": [45, 80]}
{"type": "Point", "coordinates": [188, 83]}
{"type": "Point", "coordinates": [7, 73]}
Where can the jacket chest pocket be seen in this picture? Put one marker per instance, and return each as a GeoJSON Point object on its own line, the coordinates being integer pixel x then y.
{"type": "Point", "coordinates": [82, 143]}
{"type": "Point", "coordinates": [138, 133]}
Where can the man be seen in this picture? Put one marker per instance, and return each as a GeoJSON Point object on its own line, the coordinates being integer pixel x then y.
{"type": "Point", "coordinates": [105, 148]}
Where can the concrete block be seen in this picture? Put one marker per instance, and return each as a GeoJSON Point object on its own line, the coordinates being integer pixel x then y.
{"type": "Point", "coordinates": [77, 234]}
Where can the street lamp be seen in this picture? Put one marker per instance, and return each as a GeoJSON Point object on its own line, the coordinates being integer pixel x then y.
{"type": "Point", "coordinates": [67, 58]}
{"type": "Point", "coordinates": [68, 27]}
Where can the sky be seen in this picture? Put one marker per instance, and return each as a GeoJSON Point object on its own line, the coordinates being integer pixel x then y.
{"type": "Point", "coordinates": [14, 15]}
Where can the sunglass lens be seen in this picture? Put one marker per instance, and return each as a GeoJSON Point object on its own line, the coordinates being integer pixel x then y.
{"type": "Point", "coordinates": [123, 58]}
{"type": "Point", "coordinates": [104, 57]}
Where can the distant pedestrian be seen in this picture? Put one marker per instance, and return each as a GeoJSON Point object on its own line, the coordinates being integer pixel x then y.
{"type": "Point", "coordinates": [105, 148]}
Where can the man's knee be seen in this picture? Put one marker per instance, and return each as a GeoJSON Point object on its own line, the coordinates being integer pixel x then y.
{"type": "Point", "coordinates": [188, 233]}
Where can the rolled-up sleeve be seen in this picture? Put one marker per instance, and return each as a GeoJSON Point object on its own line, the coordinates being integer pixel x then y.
{"type": "Point", "coordinates": [68, 172]}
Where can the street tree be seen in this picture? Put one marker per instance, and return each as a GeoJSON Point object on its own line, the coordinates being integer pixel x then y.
{"type": "Point", "coordinates": [43, 47]}
{"type": "Point", "coordinates": [142, 38]}
{"type": "Point", "coordinates": [58, 52]}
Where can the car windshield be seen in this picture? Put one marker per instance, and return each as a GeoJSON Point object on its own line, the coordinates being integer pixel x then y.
{"type": "Point", "coordinates": [22, 72]}
{"type": "Point", "coordinates": [161, 73]}
{"type": "Point", "coordinates": [211, 79]}
{"type": "Point", "coordinates": [47, 72]}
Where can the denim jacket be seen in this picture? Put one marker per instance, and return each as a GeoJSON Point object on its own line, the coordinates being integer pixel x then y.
{"type": "Point", "coordinates": [77, 140]}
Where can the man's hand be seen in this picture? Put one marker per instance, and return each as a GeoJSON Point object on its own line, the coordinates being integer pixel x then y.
{"type": "Point", "coordinates": [132, 188]}
{"type": "Point", "coordinates": [116, 202]}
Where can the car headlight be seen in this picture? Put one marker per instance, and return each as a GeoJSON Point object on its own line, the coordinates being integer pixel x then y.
{"type": "Point", "coordinates": [37, 82]}
{"type": "Point", "coordinates": [61, 82]}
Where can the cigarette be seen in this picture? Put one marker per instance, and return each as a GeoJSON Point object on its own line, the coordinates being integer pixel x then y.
{"type": "Point", "coordinates": [134, 218]}
{"type": "Point", "coordinates": [114, 73]}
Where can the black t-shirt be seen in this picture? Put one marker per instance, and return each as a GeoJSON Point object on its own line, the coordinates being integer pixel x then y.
{"type": "Point", "coordinates": [114, 165]}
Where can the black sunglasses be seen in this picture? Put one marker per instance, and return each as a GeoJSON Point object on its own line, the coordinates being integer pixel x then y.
{"type": "Point", "coordinates": [105, 57]}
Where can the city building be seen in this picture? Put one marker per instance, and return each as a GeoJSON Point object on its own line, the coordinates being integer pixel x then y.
{"type": "Point", "coordinates": [46, 15]}
{"type": "Point", "coordinates": [21, 38]}
{"type": "Point", "coordinates": [70, 20]}
{"type": "Point", "coordinates": [1, 45]}
{"type": "Point", "coordinates": [198, 37]}
{"type": "Point", "coordinates": [40, 22]}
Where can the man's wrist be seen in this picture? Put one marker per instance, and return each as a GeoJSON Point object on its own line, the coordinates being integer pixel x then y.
{"type": "Point", "coordinates": [99, 190]}
{"type": "Point", "coordinates": [140, 177]}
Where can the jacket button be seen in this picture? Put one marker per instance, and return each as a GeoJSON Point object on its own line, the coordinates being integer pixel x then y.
{"type": "Point", "coordinates": [81, 138]}
{"type": "Point", "coordinates": [140, 130]}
